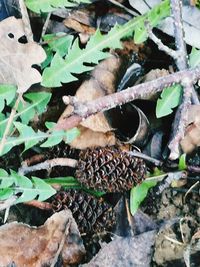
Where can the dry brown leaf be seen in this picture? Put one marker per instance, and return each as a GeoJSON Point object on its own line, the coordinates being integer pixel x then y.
{"type": "Point", "coordinates": [37, 247]}
{"type": "Point", "coordinates": [129, 251]}
{"type": "Point", "coordinates": [89, 138]}
{"type": "Point", "coordinates": [16, 58]}
{"type": "Point", "coordinates": [192, 134]}
{"type": "Point", "coordinates": [78, 26]}
{"type": "Point", "coordinates": [96, 131]}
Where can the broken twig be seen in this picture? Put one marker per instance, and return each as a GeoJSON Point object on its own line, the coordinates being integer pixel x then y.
{"type": "Point", "coordinates": [146, 90]}
{"type": "Point", "coordinates": [48, 164]}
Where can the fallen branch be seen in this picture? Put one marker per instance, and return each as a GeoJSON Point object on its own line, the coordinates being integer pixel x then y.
{"type": "Point", "coordinates": [68, 162]}
{"type": "Point", "coordinates": [48, 164]}
{"type": "Point", "coordinates": [82, 110]}
{"type": "Point", "coordinates": [188, 90]}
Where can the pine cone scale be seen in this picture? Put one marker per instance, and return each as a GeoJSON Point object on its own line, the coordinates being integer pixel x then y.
{"type": "Point", "coordinates": [90, 213]}
{"type": "Point", "coordinates": [109, 170]}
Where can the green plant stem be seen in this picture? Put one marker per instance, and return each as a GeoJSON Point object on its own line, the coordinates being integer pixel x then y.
{"type": "Point", "coordinates": [9, 123]}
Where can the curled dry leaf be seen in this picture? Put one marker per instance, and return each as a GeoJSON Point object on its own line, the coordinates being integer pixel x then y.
{"type": "Point", "coordinates": [192, 134]}
{"type": "Point", "coordinates": [16, 57]}
{"type": "Point", "coordinates": [95, 131]}
{"type": "Point", "coordinates": [36, 247]}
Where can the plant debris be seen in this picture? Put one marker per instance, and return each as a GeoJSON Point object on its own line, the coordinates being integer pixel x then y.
{"type": "Point", "coordinates": [99, 125]}
{"type": "Point", "coordinates": [18, 68]}
{"type": "Point", "coordinates": [31, 246]}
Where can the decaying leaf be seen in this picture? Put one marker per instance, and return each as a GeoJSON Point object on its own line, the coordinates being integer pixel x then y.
{"type": "Point", "coordinates": [95, 131]}
{"type": "Point", "coordinates": [80, 21]}
{"type": "Point", "coordinates": [131, 251]}
{"type": "Point", "coordinates": [192, 135]}
{"type": "Point", "coordinates": [16, 57]}
{"type": "Point", "coordinates": [37, 247]}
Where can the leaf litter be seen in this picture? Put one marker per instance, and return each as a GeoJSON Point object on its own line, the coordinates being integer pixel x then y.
{"type": "Point", "coordinates": [164, 229]}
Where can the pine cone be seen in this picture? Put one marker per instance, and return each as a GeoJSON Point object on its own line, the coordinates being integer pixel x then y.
{"type": "Point", "coordinates": [109, 169]}
{"type": "Point", "coordinates": [91, 214]}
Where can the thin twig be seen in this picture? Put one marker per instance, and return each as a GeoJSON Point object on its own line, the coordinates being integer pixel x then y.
{"type": "Point", "coordinates": [9, 123]}
{"type": "Point", "coordinates": [171, 176]}
{"type": "Point", "coordinates": [188, 89]}
{"type": "Point", "coordinates": [194, 169]}
{"type": "Point", "coordinates": [176, 10]}
{"type": "Point", "coordinates": [48, 164]}
{"type": "Point", "coordinates": [174, 54]}
{"type": "Point", "coordinates": [180, 57]}
{"type": "Point", "coordinates": [26, 21]}
{"type": "Point", "coordinates": [190, 190]}
{"type": "Point", "coordinates": [146, 90]}
{"type": "Point", "coordinates": [173, 240]}
{"type": "Point", "coordinates": [67, 227]}
{"type": "Point", "coordinates": [7, 203]}
{"type": "Point", "coordinates": [34, 160]}
{"type": "Point", "coordinates": [181, 230]}
{"type": "Point", "coordinates": [38, 204]}
{"type": "Point", "coordinates": [44, 29]}
{"type": "Point", "coordinates": [174, 144]}
{"type": "Point", "coordinates": [123, 7]}
{"type": "Point", "coordinates": [156, 162]}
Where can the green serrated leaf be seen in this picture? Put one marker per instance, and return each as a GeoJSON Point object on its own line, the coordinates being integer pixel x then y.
{"type": "Point", "coordinates": [27, 110]}
{"type": "Point", "coordinates": [6, 193]}
{"type": "Point", "coordinates": [6, 181]}
{"type": "Point", "coordinates": [44, 190]}
{"type": "Point", "coordinates": [27, 194]}
{"type": "Point", "coordinates": [38, 100]}
{"type": "Point", "coordinates": [49, 57]}
{"type": "Point", "coordinates": [140, 34]}
{"type": "Point", "coordinates": [50, 5]}
{"type": "Point", "coordinates": [182, 165]}
{"type": "Point", "coordinates": [21, 180]}
{"type": "Point", "coordinates": [71, 134]}
{"type": "Point", "coordinates": [59, 42]}
{"type": "Point", "coordinates": [21, 184]}
{"type": "Point", "coordinates": [138, 194]}
{"type": "Point", "coordinates": [53, 141]}
{"type": "Point", "coordinates": [29, 137]}
{"type": "Point", "coordinates": [194, 57]}
{"type": "Point", "coordinates": [62, 70]}
{"type": "Point", "coordinates": [7, 94]}
{"type": "Point", "coordinates": [170, 98]}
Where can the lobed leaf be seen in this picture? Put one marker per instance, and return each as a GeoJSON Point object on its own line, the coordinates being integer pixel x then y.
{"type": "Point", "coordinates": [44, 190]}
{"type": "Point", "coordinates": [7, 94]}
{"type": "Point", "coordinates": [170, 98]}
{"type": "Point", "coordinates": [138, 194]}
{"type": "Point", "coordinates": [50, 5]}
{"type": "Point", "coordinates": [62, 70]}
{"type": "Point", "coordinates": [36, 105]}
{"type": "Point", "coordinates": [59, 42]}
{"type": "Point", "coordinates": [28, 189]}
{"type": "Point", "coordinates": [29, 137]}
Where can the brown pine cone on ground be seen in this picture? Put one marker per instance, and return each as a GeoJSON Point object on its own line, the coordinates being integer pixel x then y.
{"type": "Point", "coordinates": [91, 214]}
{"type": "Point", "coordinates": [109, 169]}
